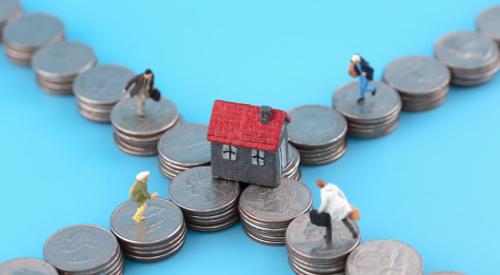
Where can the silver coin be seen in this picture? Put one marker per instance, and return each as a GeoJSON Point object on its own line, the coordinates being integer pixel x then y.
{"type": "Point", "coordinates": [62, 61]}
{"type": "Point", "coordinates": [158, 250]}
{"type": "Point", "coordinates": [102, 85]}
{"type": "Point", "coordinates": [417, 75]}
{"type": "Point", "coordinates": [8, 10]}
{"type": "Point", "coordinates": [488, 23]}
{"type": "Point", "coordinates": [276, 205]}
{"type": "Point", "coordinates": [79, 248]}
{"type": "Point", "coordinates": [196, 191]}
{"type": "Point", "coordinates": [315, 126]}
{"type": "Point", "coordinates": [128, 247]}
{"type": "Point", "coordinates": [212, 228]}
{"type": "Point", "coordinates": [163, 220]}
{"type": "Point", "coordinates": [186, 145]}
{"type": "Point", "coordinates": [384, 256]}
{"type": "Point", "coordinates": [147, 259]}
{"type": "Point", "coordinates": [26, 266]}
{"type": "Point", "coordinates": [314, 269]}
{"type": "Point", "coordinates": [376, 108]}
{"type": "Point", "coordinates": [159, 116]}
{"type": "Point", "coordinates": [261, 239]}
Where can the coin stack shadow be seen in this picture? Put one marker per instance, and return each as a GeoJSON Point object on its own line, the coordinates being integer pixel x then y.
{"type": "Point", "coordinates": [99, 89]}
{"type": "Point", "coordinates": [422, 82]}
{"type": "Point", "coordinates": [292, 169]}
{"type": "Point", "coordinates": [27, 266]}
{"type": "Point", "coordinates": [472, 65]}
{"type": "Point", "coordinates": [182, 148]}
{"type": "Point", "coordinates": [319, 134]}
{"type": "Point", "coordinates": [58, 64]}
{"type": "Point", "coordinates": [10, 10]}
{"type": "Point", "coordinates": [139, 136]}
{"type": "Point", "coordinates": [159, 236]}
{"type": "Point", "coordinates": [103, 255]}
{"type": "Point", "coordinates": [208, 204]}
{"type": "Point", "coordinates": [377, 116]}
{"type": "Point", "coordinates": [266, 212]}
{"type": "Point", "coordinates": [488, 22]}
{"type": "Point", "coordinates": [310, 253]}
{"type": "Point", "coordinates": [26, 34]}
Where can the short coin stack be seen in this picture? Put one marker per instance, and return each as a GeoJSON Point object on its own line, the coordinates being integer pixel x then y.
{"type": "Point", "coordinates": [158, 237]}
{"type": "Point", "coordinates": [310, 253]}
{"type": "Point", "coordinates": [27, 266]}
{"type": "Point", "coordinates": [84, 249]}
{"type": "Point", "coordinates": [137, 135]}
{"type": "Point", "coordinates": [182, 148]}
{"type": "Point", "coordinates": [99, 89]}
{"type": "Point", "coordinates": [266, 212]}
{"type": "Point", "coordinates": [292, 169]}
{"type": "Point", "coordinates": [376, 117]}
{"type": "Point", "coordinates": [318, 132]}
{"type": "Point", "coordinates": [488, 23]}
{"type": "Point", "coordinates": [208, 204]}
{"type": "Point", "coordinates": [10, 10]}
{"type": "Point", "coordinates": [26, 34]}
{"type": "Point", "coordinates": [422, 82]}
{"type": "Point", "coordinates": [472, 58]}
{"type": "Point", "coordinates": [57, 65]}
{"type": "Point", "coordinates": [384, 257]}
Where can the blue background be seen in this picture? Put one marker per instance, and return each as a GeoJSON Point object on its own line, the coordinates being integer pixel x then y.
{"type": "Point", "coordinates": [433, 183]}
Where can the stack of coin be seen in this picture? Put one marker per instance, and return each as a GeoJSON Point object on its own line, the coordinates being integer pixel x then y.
{"type": "Point", "coordinates": [26, 266]}
{"type": "Point", "coordinates": [58, 64]}
{"type": "Point", "coordinates": [26, 34]}
{"type": "Point", "coordinates": [422, 82]}
{"type": "Point", "coordinates": [266, 212]}
{"type": "Point", "coordinates": [137, 135]}
{"type": "Point", "coordinates": [384, 257]}
{"type": "Point", "coordinates": [208, 204]}
{"type": "Point", "coordinates": [318, 132]}
{"type": "Point", "coordinates": [488, 23]}
{"type": "Point", "coordinates": [84, 249]}
{"type": "Point", "coordinates": [472, 58]}
{"type": "Point", "coordinates": [99, 89]}
{"type": "Point", "coordinates": [310, 253]}
{"type": "Point", "coordinates": [376, 117]}
{"type": "Point", "coordinates": [9, 9]}
{"type": "Point", "coordinates": [292, 169]}
{"type": "Point", "coordinates": [182, 148]}
{"type": "Point", "coordinates": [158, 237]}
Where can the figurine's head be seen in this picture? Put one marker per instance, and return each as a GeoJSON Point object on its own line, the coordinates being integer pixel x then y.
{"type": "Point", "coordinates": [356, 58]}
{"type": "Point", "coordinates": [148, 74]}
{"type": "Point", "coordinates": [143, 176]}
{"type": "Point", "coordinates": [320, 183]}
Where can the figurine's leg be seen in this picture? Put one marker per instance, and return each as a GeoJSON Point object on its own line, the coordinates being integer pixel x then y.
{"type": "Point", "coordinates": [372, 88]}
{"type": "Point", "coordinates": [363, 83]}
{"type": "Point", "coordinates": [140, 105]}
{"type": "Point", "coordinates": [328, 235]}
{"type": "Point", "coordinates": [138, 217]}
{"type": "Point", "coordinates": [350, 227]}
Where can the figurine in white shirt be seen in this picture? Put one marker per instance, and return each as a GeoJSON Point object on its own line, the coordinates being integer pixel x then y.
{"type": "Point", "coordinates": [334, 207]}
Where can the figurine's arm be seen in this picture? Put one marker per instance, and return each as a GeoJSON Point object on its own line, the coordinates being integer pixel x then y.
{"type": "Point", "coordinates": [131, 82]}
{"type": "Point", "coordinates": [324, 202]}
{"type": "Point", "coordinates": [359, 69]}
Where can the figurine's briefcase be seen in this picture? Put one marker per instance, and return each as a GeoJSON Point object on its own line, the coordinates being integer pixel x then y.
{"type": "Point", "coordinates": [319, 219]}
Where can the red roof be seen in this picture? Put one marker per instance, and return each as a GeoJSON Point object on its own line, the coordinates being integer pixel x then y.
{"type": "Point", "coordinates": [239, 125]}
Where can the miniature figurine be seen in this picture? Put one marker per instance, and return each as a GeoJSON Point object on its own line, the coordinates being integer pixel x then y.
{"type": "Point", "coordinates": [144, 88]}
{"type": "Point", "coordinates": [249, 143]}
{"type": "Point", "coordinates": [334, 207]}
{"type": "Point", "coordinates": [140, 195]}
{"type": "Point", "coordinates": [359, 67]}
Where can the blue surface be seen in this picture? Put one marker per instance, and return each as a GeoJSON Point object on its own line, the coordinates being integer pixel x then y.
{"type": "Point", "coordinates": [434, 183]}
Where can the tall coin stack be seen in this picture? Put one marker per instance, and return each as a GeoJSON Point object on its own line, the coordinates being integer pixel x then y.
{"type": "Point", "coordinates": [84, 249]}
{"type": "Point", "coordinates": [26, 34]}
{"type": "Point", "coordinates": [488, 23]}
{"type": "Point", "coordinates": [57, 65]}
{"type": "Point", "coordinates": [318, 132]}
{"type": "Point", "coordinates": [158, 237]}
{"type": "Point", "coordinates": [208, 204]}
{"type": "Point", "coordinates": [184, 147]}
{"type": "Point", "coordinates": [292, 169]}
{"type": "Point", "coordinates": [137, 135]}
{"type": "Point", "coordinates": [422, 82]}
{"type": "Point", "coordinates": [10, 10]}
{"type": "Point", "coordinates": [472, 58]}
{"type": "Point", "coordinates": [376, 117]}
{"type": "Point", "coordinates": [27, 266]}
{"type": "Point", "coordinates": [310, 253]}
{"type": "Point", "coordinates": [99, 89]}
{"type": "Point", "coordinates": [266, 212]}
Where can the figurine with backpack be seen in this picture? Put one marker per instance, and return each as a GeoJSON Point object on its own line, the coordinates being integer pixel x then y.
{"type": "Point", "coordinates": [359, 67]}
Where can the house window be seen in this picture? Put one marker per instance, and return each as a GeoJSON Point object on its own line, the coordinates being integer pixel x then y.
{"type": "Point", "coordinates": [257, 157]}
{"type": "Point", "coordinates": [229, 152]}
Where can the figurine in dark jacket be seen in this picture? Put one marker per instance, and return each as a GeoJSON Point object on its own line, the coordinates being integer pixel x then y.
{"type": "Point", "coordinates": [143, 88]}
{"type": "Point", "coordinates": [360, 68]}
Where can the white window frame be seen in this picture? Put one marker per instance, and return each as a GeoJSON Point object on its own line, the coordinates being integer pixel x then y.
{"type": "Point", "coordinates": [258, 157]}
{"type": "Point", "coordinates": [229, 152]}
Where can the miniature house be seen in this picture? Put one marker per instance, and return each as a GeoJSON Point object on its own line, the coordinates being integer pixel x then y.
{"type": "Point", "coordinates": [249, 143]}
